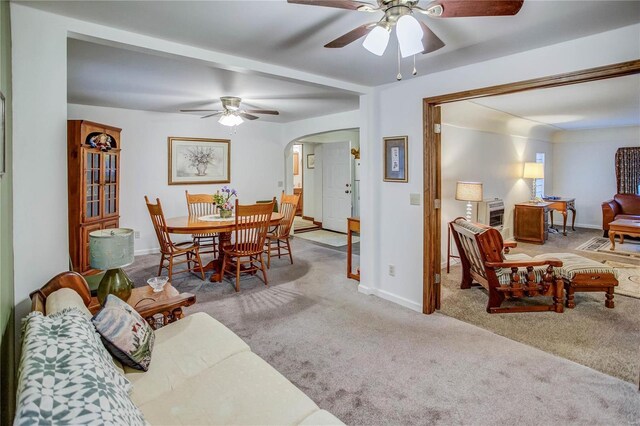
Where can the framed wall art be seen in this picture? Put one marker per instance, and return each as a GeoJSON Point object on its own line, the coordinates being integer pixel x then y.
{"type": "Point", "coordinates": [199, 161]}
{"type": "Point", "coordinates": [395, 159]}
{"type": "Point", "coordinates": [311, 161]}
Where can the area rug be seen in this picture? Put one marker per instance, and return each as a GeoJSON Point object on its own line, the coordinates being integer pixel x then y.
{"type": "Point", "coordinates": [603, 245]}
{"type": "Point", "coordinates": [628, 278]}
{"type": "Point", "coordinates": [334, 239]}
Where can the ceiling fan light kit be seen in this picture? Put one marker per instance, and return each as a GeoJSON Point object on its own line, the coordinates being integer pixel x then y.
{"type": "Point", "coordinates": [413, 36]}
{"type": "Point", "coordinates": [230, 119]}
{"type": "Point", "coordinates": [231, 113]}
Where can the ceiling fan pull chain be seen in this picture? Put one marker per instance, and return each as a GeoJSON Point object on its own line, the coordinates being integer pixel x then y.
{"type": "Point", "coordinates": [399, 76]}
{"type": "Point", "coordinates": [415, 71]}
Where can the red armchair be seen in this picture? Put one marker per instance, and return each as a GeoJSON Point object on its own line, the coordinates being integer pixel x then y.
{"type": "Point", "coordinates": [622, 206]}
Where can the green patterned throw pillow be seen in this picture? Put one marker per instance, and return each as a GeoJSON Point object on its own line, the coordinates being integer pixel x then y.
{"type": "Point", "coordinates": [125, 333]}
{"type": "Point", "coordinates": [66, 375]}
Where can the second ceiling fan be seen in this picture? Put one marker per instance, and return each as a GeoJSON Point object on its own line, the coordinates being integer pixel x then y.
{"type": "Point", "coordinates": [413, 35]}
{"type": "Point", "coordinates": [231, 113]}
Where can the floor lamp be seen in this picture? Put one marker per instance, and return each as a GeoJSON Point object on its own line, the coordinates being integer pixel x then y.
{"type": "Point", "coordinates": [465, 191]}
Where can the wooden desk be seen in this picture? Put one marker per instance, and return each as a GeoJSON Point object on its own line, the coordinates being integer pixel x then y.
{"type": "Point", "coordinates": [563, 205]}
{"type": "Point", "coordinates": [530, 222]}
{"type": "Point", "coordinates": [353, 225]}
{"type": "Point", "coordinates": [192, 225]}
{"type": "Point", "coordinates": [168, 302]}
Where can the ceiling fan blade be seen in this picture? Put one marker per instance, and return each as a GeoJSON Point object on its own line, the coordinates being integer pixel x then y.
{"type": "Point", "coordinates": [198, 110]}
{"type": "Point", "coordinates": [262, 111]}
{"type": "Point", "coordinates": [430, 40]}
{"type": "Point", "coordinates": [212, 115]}
{"type": "Point", "coordinates": [339, 4]}
{"type": "Point", "coordinates": [464, 8]}
{"type": "Point", "coordinates": [248, 116]}
{"type": "Point", "coordinates": [351, 36]}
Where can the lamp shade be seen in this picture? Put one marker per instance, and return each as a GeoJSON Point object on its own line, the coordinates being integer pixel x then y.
{"type": "Point", "coordinates": [533, 171]}
{"type": "Point", "coordinates": [111, 248]}
{"type": "Point", "coordinates": [469, 191]}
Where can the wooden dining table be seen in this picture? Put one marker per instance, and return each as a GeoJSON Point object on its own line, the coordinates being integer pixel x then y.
{"type": "Point", "coordinates": [224, 228]}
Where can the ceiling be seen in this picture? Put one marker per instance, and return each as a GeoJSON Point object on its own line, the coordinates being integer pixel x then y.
{"type": "Point", "coordinates": [113, 77]}
{"type": "Point", "coordinates": [292, 35]}
{"type": "Point", "coordinates": [613, 102]}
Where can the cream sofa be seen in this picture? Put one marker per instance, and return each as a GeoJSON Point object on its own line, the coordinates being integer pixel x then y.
{"type": "Point", "coordinates": [203, 373]}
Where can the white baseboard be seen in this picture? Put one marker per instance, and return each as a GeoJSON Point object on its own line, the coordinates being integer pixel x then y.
{"type": "Point", "coordinates": [142, 252]}
{"type": "Point", "coordinates": [579, 225]}
{"type": "Point", "coordinates": [391, 297]}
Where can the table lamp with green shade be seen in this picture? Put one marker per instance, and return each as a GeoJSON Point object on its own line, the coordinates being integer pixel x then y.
{"type": "Point", "coordinates": [111, 250]}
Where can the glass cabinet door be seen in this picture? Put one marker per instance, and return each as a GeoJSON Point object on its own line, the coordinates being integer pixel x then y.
{"type": "Point", "coordinates": [111, 184]}
{"type": "Point", "coordinates": [92, 173]}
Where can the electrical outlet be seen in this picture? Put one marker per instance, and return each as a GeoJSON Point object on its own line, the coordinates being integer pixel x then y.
{"type": "Point", "coordinates": [392, 270]}
{"type": "Point", "coordinates": [136, 235]}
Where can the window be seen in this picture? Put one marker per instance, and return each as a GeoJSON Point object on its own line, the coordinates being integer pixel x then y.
{"type": "Point", "coordinates": [540, 182]}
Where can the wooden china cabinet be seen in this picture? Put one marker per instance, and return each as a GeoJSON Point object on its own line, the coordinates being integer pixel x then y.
{"type": "Point", "coordinates": [94, 185]}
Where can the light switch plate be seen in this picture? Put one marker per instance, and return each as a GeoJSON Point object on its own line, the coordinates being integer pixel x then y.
{"type": "Point", "coordinates": [414, 199]}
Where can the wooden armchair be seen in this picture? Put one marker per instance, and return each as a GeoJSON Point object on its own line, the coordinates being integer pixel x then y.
{"type": "Point", "coordinates": [481, 252]}
{"type": "Point", "coordinates": [244, 255]}
{"type": "Point", "coordinates": [203, 205]}
{"type": "Point", "coordinates": [168, 249]}
{"type": "Point", "coordinates": [278, 240]}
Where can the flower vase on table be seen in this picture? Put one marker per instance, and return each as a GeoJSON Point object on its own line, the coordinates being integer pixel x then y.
{"type": "Point", "coordinates": [223, 201]}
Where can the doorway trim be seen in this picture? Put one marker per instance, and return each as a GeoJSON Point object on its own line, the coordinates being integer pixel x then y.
{"type": "Point", "coordinates": [432, 152]}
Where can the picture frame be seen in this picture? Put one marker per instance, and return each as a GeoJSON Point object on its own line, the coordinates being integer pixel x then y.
{"type": "Point", "coordinates": [311, 161]}
{"type": "Point", "coordinates": [296, 164]}
{"type": "Point", "coordinates": [199, 161]}
{"type": "Point", "coordinates": [396, 159]}
{"type": "Point", "coordinates": [3, 131]}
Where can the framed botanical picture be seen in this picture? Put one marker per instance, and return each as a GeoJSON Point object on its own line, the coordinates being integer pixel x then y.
{"type": "Point", "coordinates": [311, 161]}
{"type": "Point", "coordinates": [199, 161]}
{"type": "Point", "coordinates": [296, 164]}
{"type": "Point", "coordinates": [3, 131]}
{"type": "Point", "coordinates": [395, 159]}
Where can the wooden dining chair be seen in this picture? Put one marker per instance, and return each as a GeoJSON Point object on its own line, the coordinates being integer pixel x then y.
{"type": "Point", "coordinates": [244, 254]}
{"type": "Point", "coordinates": [203, 205]}
{"type": "Point", "coordinates": [278, 240]}
{"type": "Point", "coordinates": [168, 249]}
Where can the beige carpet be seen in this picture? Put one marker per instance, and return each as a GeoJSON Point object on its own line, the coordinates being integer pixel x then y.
{"type": "Point", "coordinates": [628, 278]}
{"type": "Point", "coordinates": [372, 362]}
{"type": "Point", "coordinates": [605, 339]}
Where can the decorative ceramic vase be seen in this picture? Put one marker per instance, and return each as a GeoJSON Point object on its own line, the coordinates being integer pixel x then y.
{"type": "Point", "coordinates": [226, 213]}
{"type": "Point", "coordinates": [202, 169]}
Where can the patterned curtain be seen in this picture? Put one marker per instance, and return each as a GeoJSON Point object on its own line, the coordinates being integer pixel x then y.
{"type": "Point", "coordinates": [628, 170]}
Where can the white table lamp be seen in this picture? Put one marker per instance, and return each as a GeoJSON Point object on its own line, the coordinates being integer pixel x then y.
{"type": "Point", "coordinates": [469, 191]}
{"type": "Point", "coordinates": [533, 171]}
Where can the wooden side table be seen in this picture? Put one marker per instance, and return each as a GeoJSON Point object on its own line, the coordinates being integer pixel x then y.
{"type": "Point", "coordinates": [168, 303]}
{"type": "Point", "coordinates": [353, 225]}
{"type": "Point", "coordinates": [531, 223]}
{"type": "Point", "coordinates": [563, 205]}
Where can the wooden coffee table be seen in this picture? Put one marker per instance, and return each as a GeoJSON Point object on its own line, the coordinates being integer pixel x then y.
{"type": "Point", "coordinates": [623, 227]}
{"type": "Point", "coordinates": [168, 303]}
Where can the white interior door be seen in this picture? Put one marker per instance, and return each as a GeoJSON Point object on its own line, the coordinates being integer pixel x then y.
{"type": "Point", "coordinates": [336, 186]}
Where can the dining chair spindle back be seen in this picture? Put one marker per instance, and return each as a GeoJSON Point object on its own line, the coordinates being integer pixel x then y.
{"type": "Point", "coordinates": [277, 242]}
{"type": "Point", "coordinates": [203, 205]}
{"type": "Point", "coordinates": [168, 249]}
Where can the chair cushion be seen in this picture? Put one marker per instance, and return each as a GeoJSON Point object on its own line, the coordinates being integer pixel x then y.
{"type": "Point", "coordinates": [476, 228]}
{"type": "Point", "coordinates": [66, 375]}
{"type": "Point", "coordinates": [504, 274]}
{"type": "Point", "coordinates": [628, 216]}
{"type": "Point", "coordinates": [573, 264]}
{"type": "Point", "coordinates": [65, 298]}
{"type": "Point", "coordinates": [183, 350]}
{"type": "Point", "coordinates": [241, 390]}
{"type": "Point", "coordinates": [321, 418]}
{"type": "Point", "coordinates": [126, 335]}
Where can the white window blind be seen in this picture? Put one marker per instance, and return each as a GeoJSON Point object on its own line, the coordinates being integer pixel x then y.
{"type": "Point", "coordinates": [540, 182]}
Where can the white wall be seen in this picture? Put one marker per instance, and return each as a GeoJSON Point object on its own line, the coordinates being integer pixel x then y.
{"type": "Point", "coordinates": [398, 225]}
{"type": "Point", "coordinates": [584, 169]}
{"type": "Point", "coordinates": [256, 162]}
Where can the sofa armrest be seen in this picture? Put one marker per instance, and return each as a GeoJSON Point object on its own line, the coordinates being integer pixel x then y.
{"type": "Point", "coordinates": [610, 209]}
{"type": "Point", "coordinates": [68, 279]}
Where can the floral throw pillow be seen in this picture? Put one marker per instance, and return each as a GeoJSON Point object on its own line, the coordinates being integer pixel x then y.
{"type": "Point", "coordinates": [126, 335]}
